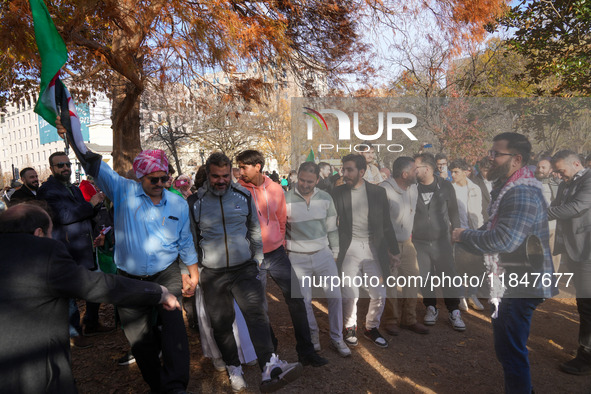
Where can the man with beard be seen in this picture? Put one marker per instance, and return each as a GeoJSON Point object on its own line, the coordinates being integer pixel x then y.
{"type": "Point", "coordinates": [436, 215]}
{"type": "Point", "coordinates": [401, 190]}
{"type": "Point", "coordinates": [28, 191]}
{"type": "Point", "coordinates": [227, 233]}
{"type": "Point", "coordinates": [517, 211]}
{"type": "Point", "coordinates": [572, 211]}
{"type": "Point", "coordinates": [550, 188]}
{"type": "Point", "coordinates": [72, 218]}
{"type": "Point", "coordinates": [372, 174]}
{"type": "Point", "coordinates": [544, 174]}
{"type": "Point", "coordinates": [367, 247]}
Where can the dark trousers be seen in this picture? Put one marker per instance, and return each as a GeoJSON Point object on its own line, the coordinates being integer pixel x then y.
{"type": "Point", "coordinates": [511, 331]}
{"type": "Point", "coordinates": [220, 288]}
{"type": "Point", "coordinates": [173, 374]}
{"type": "Point", "coordinates": [436, 258]}
{"type": "Point", "coordinates": [277, 265]}
{"type": "Point", "coordinates": [582, 282]}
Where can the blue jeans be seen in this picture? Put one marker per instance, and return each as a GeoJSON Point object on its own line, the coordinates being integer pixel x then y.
{"type": "Point", "coordinates": [511, 331]}
{"type": "Point", "coordinates": [277, 264]}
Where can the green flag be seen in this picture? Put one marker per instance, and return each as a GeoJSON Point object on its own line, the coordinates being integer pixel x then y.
{"type": "Point", "coordinates": [310, 155]}
{"type": "Point", "coordinates": [53, 56]}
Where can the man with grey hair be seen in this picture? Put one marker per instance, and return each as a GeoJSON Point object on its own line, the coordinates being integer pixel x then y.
{"type": "Point", "coordinates": [572, 211]}
{"type": "Point", "coordinates": [227, 235]}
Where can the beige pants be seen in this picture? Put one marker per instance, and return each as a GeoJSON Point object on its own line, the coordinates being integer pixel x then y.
{"type": "Point", "coordinates": [408, 267]}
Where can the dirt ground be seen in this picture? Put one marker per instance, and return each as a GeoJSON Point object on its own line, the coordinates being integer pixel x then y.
{"type": "Point", "coordinates": [445, 361]}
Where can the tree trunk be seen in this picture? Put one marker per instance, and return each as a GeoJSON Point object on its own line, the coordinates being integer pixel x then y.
{"type": "Point", "coordinates": [125, 116]}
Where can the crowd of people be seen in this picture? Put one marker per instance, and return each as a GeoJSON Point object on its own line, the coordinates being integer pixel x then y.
{"type": "Point", "coordinates": [213, 240]}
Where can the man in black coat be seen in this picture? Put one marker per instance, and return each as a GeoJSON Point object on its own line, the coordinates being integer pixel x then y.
{"type": "Point", "coordinates": [28, 190]}
{"type": "Point", "coordinates": [37, 279]}
{"type": "Point", "coordinates": [367, 246]}
{"type": "Point", "coordinates": [72, 217]}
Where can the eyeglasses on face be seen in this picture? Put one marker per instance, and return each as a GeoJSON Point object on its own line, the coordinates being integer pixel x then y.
{"type": "Point", "coordinates": [154, 180]}
{"type": "Point", "coordinates": [493, 154]}
{"type": "Point", "coordinates": [61, 164]}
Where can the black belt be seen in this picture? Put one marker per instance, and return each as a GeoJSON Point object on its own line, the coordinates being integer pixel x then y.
{"type": "Point", "coordinates": [148, 278]}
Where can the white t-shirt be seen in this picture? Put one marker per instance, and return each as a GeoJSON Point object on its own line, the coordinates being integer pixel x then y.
{"type": "Point", "coordinates": [462, 197]}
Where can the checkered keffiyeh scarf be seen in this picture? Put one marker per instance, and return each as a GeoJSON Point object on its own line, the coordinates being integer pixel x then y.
{"type": "Point", "coordinates": [150, 161]}
{"type": "Point", "coordinates": [523, 176]}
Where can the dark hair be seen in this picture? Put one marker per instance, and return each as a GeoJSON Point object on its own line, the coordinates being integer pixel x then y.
{"type": "Point", "coordinates": [440, 156]}
{"type": "Point", "coordinates": [54, 154]}
{"type": "Point", "coordinates": [24, 171]}
{"type": "Point", "coordinates": [484, 164]}
{"type": "Point", "coordinates": [310, 166]}
{"type": "Point", "coordinates": [588, 158]}
{"type": "Point", "coordinates": [217, 159]}
{"type": "Point", "coordinates": [360, 162]}
{"type": "Point", "coordinates": [428, 159]}
{"type": "Point", "coordinates": [251, 157]}
{"type": "Point", "coordinates": [24, 219]}
{"type": "Point", "coordinates": [517, 143]}
{"type": "Point", "coordinates": [369, 144]}
{"type": "Point", "coordinates": [323, 165]}
{"type": "Point", "coordinates": [461, 164]}
{"type": "Point", "coordinates": [567, 155]}
{"type": "Point", "coordinates": [200, 177]}
{"type": "Point", "coordinates": [400, 165]}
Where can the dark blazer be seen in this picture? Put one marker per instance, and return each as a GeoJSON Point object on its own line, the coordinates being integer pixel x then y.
{"type": "Point", "coordinates": [37, 279]}
{"type": "Point", "coordinates": [485, 195]}
{"type": "Point", "coordinates": [384, 237]}
{"type": "Point", "coordinates": [572, 211]}
{"type": "Point", "coordinates": [21, 195]}
{"type": "Point", "coordinates": [71, 215]}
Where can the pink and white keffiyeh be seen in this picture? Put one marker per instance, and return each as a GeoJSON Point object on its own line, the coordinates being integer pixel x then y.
{"type": "Point", "coordinates": [150, 161]}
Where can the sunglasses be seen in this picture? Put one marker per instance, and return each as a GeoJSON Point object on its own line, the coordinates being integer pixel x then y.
{"type": "Point", "coordinates": [156, 179]}
{"type": "Point", "coordinates": [61, 164]}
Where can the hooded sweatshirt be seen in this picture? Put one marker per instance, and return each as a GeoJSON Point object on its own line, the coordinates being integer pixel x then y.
{"type": "Point", "coordinates": [270, 205]}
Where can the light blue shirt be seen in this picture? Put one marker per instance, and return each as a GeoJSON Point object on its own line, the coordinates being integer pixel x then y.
{"type": "Point", "coordinates": [148, 237]}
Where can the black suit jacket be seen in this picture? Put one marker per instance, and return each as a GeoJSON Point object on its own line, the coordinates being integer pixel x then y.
{"type": "Point", "coordinates": [384, 237]}
{"type": "Point", "coordinates": [37, 278]}
{"type": "Point", "coordinates": [572, 210]}
{"type": "Point", "coordinates": [71, 215]}
{"type": "Point", "coordinates": [21, 195]}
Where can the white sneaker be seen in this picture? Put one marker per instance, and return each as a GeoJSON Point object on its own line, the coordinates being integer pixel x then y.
{"type": "Point", "coordinates": [431, 316]}
{"type": "Point", "coordinates": [218, 364]}
{"type": "Point", "coordinates": [278, 373]}
{"type": "Point", "coordinates": [236, 379]}
{"type": "Point", "coordinates": [474, 303]}
{"type": "Point", "coordinates": [341, 348]}
{"type": "Point", "coordinates": [463, 304]}
{"type": "Point", "coordinates": [315, 341]}
{"type": "Point", "coordinates": [456, 321]}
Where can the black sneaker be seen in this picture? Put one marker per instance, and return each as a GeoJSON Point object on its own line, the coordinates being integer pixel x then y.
{"type": "Point", "coordinates": [375, 336]}
{"type": "Point", "coordinates": [350, 336]}
{"type": "Point", "coordinates": [313, 359]}
{"type": "Point", "coordinates": [127, 359]}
